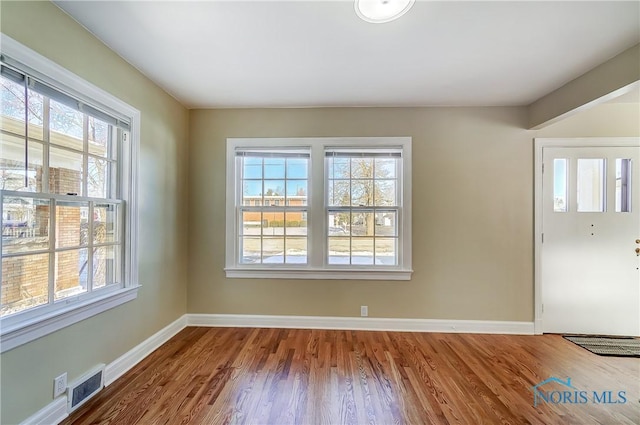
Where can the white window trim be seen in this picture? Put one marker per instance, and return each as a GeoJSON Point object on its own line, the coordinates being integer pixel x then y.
{"type": "Point", "coordinates": [316, 220]}
{"type": "Point", "coordinates": [20, 328]}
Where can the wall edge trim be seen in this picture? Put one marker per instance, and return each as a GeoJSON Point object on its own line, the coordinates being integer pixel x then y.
{"type": "Point", "coordinates": [362, 323]}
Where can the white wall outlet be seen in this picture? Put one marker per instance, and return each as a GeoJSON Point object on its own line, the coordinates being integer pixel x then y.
{"type": "Point", "coordinates": [60, 385]}
{"type": "Point", "coordinates": [364, 311]}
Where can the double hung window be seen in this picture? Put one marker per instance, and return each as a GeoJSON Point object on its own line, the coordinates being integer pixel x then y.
{"type": "Point", "coordinates": [66, 197]}
{"type": "Point", "coordinates": [323, 208]}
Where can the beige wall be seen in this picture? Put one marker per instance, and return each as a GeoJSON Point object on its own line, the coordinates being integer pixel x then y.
{"type": "Point", "coordinates": [472, 209]}
{"type": "Point", "coordinates": [28, 371]}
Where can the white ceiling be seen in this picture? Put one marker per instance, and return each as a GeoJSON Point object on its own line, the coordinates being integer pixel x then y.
{"type": "Point", "coordinates": [319, 53]}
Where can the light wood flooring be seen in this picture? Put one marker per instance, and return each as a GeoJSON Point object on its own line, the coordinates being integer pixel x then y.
{"type": "Point", "coordinates": [284, 376]}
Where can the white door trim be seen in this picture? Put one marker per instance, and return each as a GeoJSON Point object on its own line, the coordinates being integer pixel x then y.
{"type": "Point", "coordinates": [539, 144]}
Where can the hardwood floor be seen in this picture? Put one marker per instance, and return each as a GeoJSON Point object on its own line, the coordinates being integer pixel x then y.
{"type": "Point", "coordinates": [283, 376]}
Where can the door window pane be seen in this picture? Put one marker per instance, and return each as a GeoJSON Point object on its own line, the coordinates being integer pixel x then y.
{"type": "Point", "coordinates": [623, 185]}
{"type": "Point", "coordinates": [591, 184]}
{"type": "Point", "coordinates": [560, 185]}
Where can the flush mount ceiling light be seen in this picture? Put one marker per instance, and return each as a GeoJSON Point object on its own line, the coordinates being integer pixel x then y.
{"type": "Point", "coordinates": [381, 11]}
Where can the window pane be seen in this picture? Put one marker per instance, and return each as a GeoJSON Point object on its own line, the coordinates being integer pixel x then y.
{"type": "Point", "coordinates": [339, 192]}
{"type": "Point", "coordinates": [623, 185]}
{"type": "Point", "coordinates": [362, 168]}
{"type": "Point", "coordinates": [36, 106]}
{"type": "Point", "coordinates": [339, 250]}
{"type": "Point", "coordinates": [273, 223]}
{"type": "Point", "coordinates": [274, 189]}
{"type": "Point", "coordinates": [25, 282]}
{"type": "Point", "coordinates": [386, 223]}
{"type": "Point", "coordinates": [591, 185]}
{"type": "Point", "coordinates": [297, 168]}
{"type": "Point", "coordinates": [296, 192]}
{"type": "Point", "coordinates": [296, 252]}
{"type": "Point", "coordinates": [274, 168]}
{"type": "Point", "coordinates": [106, 266]}
{"type": "Point", "coordinates": [13, 107]}
{"type": "Point", "coordinates": [105, 223]}
{"type": "Point", "coordinates": [12, 164]}
{"type": "Point", "coordinates": [65, 172]}
{"type": "Point", "coordinates": [252, 190]}
{"type": "Point", "coordinates": [252, 168]}
{"type": "Point", "coordinates": [66, 126]}
{"type": "Point", "coordinates": [362, 192]}
{"type": "Point", "coordinates": [339, 223]}
{"type": "Point", "coordinates": [99, 137]}
{"type": "Point", "coordinates": [362, 224]}
{"type": "Point", "coordinates": [385, 193]}
{"type": "Point", "coordinates": [25, 225]}
{"type": "Point", "coordinates": [251, 250]}
{"type": "Point", "coordinates": [251, 223]}
{"type": "Point", "coordinates": [361, 251]}
{"type": "Point", "coordinates": [99, 178]}
{"type": "Point", "coordinates": [387, 251]}
{"type": "Point", "coordinates": [72, 224]}
{"type": "Point", "coordinates": [560, 185]}
{"type": "Point", "coordinates": [338, 167]}
{"type": "Point", "coordinates": [385, 168]}
{"type": "Point", "coordinates": [272, 250]}
{"type": "Point", "coordinates": [295, 223]}
{"type": "Point", "coordinates": [71, 271]}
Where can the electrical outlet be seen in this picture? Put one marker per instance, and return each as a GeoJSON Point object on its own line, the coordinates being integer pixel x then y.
{"type": "Point", "coordinates": [60, 385]}
{"type": "Point", "coordinates": [364, 310]}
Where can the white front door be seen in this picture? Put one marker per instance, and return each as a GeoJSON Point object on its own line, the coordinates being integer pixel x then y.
{"type": "Point", "coordinates": [590, 270]}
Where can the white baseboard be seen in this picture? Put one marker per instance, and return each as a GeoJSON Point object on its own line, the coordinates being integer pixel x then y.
{"type": "Point", "coordinates": [122, 364]}
{"type": "Point", "coordinates": [361, 323]}
{"type": "Point", "coordinates": [53, 413]}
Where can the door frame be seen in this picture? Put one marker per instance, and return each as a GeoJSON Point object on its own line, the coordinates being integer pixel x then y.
{"type": "Point", "coordinates": [539, 145]}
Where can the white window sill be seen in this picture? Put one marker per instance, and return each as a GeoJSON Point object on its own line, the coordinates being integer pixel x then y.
{"type": "Point", "coordinates": [328, 274]}
{"type": "Point", "coordinates": [16, 333]}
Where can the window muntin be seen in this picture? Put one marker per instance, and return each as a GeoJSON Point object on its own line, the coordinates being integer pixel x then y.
{"type": "Point", "coordinates": [356, 209]}
{"type": "Point", "coordinates": [73, 169]}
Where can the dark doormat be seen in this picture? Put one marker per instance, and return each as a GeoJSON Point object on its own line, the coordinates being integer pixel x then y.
{"type": "Point", "coordinates": [607, 345]}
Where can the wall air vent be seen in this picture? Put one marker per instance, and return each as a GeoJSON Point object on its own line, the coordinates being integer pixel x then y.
{"type": "Point", "coordinates": [84, 388]}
